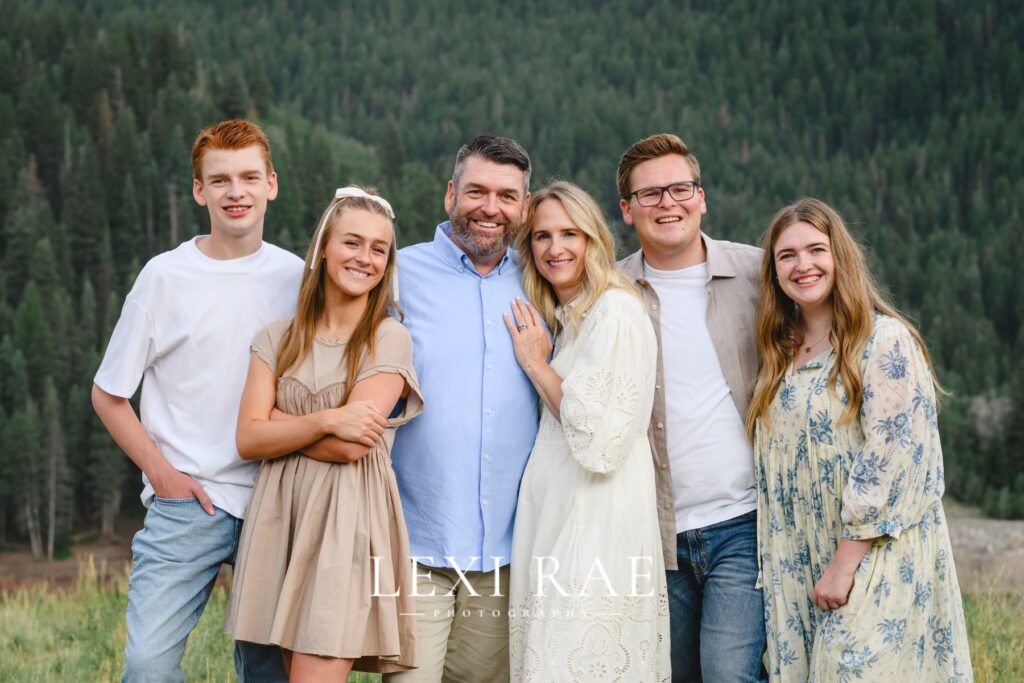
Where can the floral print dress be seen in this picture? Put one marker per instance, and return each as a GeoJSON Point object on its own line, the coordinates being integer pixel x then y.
{"type": "Point", "coordinates": [879, 477]}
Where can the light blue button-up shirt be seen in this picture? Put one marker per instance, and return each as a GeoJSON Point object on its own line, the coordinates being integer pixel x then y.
{"type": "Point", "coordinates": [459, 463]}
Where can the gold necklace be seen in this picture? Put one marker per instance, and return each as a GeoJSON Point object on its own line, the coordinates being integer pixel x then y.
{"type": "Point", "coordinates": [807, 349]}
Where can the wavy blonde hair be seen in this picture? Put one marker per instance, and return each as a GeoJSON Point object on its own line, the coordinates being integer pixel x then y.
{"type": "Point", "coordinates": [855, 301]}
{"type": "Point", "coordinates": [599, 271]}
{"type": "Point", "coordinates": [298, 340]}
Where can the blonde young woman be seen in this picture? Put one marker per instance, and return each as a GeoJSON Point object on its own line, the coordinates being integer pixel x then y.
{"type": "Point", "coordinates": [587, 595]}
{"type": "Point", "coordinates": [858, 573]}
{"type": "Point", "coordinates": [323, 565]}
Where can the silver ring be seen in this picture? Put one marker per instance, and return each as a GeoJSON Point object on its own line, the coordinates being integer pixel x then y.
{"type": "Point", "coordinates": [521, 327]}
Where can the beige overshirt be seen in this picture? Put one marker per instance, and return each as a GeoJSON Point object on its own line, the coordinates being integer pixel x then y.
{"type": "Point", "coordinates": [732, 284]}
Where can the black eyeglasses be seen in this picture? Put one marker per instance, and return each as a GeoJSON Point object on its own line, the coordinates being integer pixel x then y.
{"type": "Point", "coordinates": [651, 196]}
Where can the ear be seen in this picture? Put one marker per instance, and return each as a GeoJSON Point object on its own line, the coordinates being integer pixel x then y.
{"type": "Point", "coordinates": [197, 192]}
{"type": "Point", "coordinates": [627, 214]}
{"type": "Point", "coordinates": [703, 206]}
{"type": "Point", "coordinates": [526, 208]}
{"type": "Point", "coordinates": [449, 198]}
{"type": "Point", "coordinates": [272, 183]}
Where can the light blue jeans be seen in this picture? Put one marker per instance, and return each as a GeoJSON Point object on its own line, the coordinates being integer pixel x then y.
{"type": "Point", "coordinates": [176, 556]}
{"type": "Point", "coordinates": [716, 612]}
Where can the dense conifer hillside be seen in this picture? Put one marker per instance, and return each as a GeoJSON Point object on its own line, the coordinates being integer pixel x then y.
{"type": "Point", "coordinates": [908, 116]}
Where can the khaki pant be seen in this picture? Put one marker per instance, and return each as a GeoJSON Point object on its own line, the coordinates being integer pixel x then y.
{"type": "Point", "coordinates": [460, 637]}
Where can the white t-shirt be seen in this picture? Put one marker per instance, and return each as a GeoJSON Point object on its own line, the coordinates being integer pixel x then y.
{"type": "Point", "coordinates": [184, 332]}
{"type": "Point", "coordinates": [711, 460]}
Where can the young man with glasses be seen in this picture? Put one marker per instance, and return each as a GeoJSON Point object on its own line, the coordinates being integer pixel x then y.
{"type": "Point", "coordinates": [700, 294]}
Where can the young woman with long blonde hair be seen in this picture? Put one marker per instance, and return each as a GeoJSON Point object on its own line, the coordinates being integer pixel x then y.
{"type": "Point", "coordinates": [323, 565]}
{"type": "Point", "coordinates": [588, 595]}
{"type": "Point", "coordinates": [857, 568]}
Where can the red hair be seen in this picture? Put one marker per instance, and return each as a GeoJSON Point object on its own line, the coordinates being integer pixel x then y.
{"type": "Point", "coordinates": [230, 134]}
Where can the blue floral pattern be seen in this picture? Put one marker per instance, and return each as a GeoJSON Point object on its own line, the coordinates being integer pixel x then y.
{"type": "Point", "coordinates": [820, 480]}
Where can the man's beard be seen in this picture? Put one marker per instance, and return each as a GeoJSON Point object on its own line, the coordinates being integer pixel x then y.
{"type": "Point", "coordinates": [477, 245]}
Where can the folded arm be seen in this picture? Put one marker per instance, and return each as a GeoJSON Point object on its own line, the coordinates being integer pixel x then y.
{"type": "Point", "coordinates": [335, 435]}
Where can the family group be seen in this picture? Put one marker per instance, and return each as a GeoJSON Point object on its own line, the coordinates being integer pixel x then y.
{"type": "Point", "coordinates": [502, 456]}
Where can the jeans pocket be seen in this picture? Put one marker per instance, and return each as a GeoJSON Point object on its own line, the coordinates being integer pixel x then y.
{"type": "Point", "coordinates": [175, 501]}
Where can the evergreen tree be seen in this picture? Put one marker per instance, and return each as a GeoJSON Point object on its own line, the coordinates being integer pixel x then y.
{"type": "Point", "coordinates": [21, 441]}
{"type": "Point", "coordinates": [29, 218]}
{"type": "Point", "coordinates": [57, 488]}
{"type": "Point", "coordinates": [32, 336]}
{"type": "Point", "coordinates": [86, 207]}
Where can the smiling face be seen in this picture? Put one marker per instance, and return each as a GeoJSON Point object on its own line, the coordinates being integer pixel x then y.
{"type": "Point", "coordinates": [235, 188]}
{"type": "Point", "coordinates": [356, 251]}
{"type": "Point", "coordinates": [559, 249]}
{"type": "Point", "coordinates": [486, 208]}
{"type": "Point", "coordinates": [669, 232]}
{"type": "Point", "coordinates": [804, 266]}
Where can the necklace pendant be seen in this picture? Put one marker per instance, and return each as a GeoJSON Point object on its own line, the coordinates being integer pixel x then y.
{"type": "Point", "coordinates": [807, 349]}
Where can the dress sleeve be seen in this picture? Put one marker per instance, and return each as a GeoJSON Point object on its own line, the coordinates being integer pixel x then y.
{"type": "Point", "coordinates": [891, 485]}
{"type": "Point", "coordinates": [267, 341]}
{"type": "Point", "coordinates": [609, 390]}
{"type": "Point", "coordinates": [393, 354]}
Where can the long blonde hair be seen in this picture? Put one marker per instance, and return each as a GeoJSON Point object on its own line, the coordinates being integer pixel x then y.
{"type": "Point", "coordinates": [855, 300]}
{"type": "Point", "coordinates": [298, 340]}
{"type": "Point", "coordinates": [599, 271]}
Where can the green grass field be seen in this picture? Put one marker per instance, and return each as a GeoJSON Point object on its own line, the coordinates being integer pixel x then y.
{"type": "Point", "coordinates": [78, 635]}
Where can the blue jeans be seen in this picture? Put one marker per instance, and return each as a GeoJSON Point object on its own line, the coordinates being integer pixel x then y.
{"type": "Point", "coordinates": [716, 611]}
{"type": "Point", "coordinates": [176, 557]}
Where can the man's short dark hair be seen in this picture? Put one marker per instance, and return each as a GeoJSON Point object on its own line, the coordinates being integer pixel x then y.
{"type": "Point", "coordinates": [497, 149]}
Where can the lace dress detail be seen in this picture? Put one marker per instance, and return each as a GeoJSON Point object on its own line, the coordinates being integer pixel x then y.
{"type": "Point", "coordinates": [588, 597]}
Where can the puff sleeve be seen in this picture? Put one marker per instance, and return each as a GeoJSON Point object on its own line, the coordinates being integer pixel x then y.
{"type": "Point", "coordinates": [393, 354]}
{"type": "Point", "coordinates": [608, 393]}
{"type": "Point", "coordinates": [895, 477]}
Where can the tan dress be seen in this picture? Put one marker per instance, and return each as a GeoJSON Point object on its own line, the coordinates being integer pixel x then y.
{"type": "Point", "coordinates": [324, 547]}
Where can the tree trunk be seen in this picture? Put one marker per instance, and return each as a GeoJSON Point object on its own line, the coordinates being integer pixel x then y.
{"type": "Point", "coordinates": [172, 205]}
{"type": "Point", "coordinates": [35, 537]}
{"type": "Point", "coordinates": [111, 506]}
{"type": "Point", "coordinates": [51, 499]}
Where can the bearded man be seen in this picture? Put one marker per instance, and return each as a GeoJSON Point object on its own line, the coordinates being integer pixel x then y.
{"type": "Point", "coordinates": [459, 464]}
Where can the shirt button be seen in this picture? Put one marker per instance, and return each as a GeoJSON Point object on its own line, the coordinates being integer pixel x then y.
{"type": "Point", "coordinates": [654, 307]}
{"type": "Point", "coordinates": [668, 506]}
{"type": "Point", "coordinates": [661, 426]}
{"type": "Point", "coordinates": [487, 456]}
{"type": "Point", "coordinates": [490, 366]}
{"type": "Point", "coordinates": [483, 502]}
{"type": "Point", "coordinates": [663, 466]}
{"type": "Point", "coordinates": [657, 386]}
{"type": "Point", "coordinates": [490, 410]}
{"type": "Point", "coordinates": [490, 322]}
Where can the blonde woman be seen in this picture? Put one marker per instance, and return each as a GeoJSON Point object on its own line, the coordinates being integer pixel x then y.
{"type": "Point", "coordinates": [323, 565]}
{"type": "Point", "coordinates": [587, 595]}
{"type": "Point", "coordinates": [858, 573]}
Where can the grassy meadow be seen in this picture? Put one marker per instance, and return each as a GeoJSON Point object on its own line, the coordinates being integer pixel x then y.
{"type": "Point", "coordinates": [78, 635]}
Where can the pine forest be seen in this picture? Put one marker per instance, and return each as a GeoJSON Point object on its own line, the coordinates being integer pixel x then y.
{"type": "Point", "coordinates": [907, 116]}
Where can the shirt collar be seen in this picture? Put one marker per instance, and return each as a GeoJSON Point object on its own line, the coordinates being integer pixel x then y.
{"type": "Point", "coordinates": [562, 312]}
{"type": "Point", "coordinates": [456, 258]}
{"type": "Point", "coordinates": [717, 262]}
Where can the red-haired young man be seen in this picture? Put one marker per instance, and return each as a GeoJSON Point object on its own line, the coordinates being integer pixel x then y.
{"type": "Point", "coordinates": [184, 333]}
